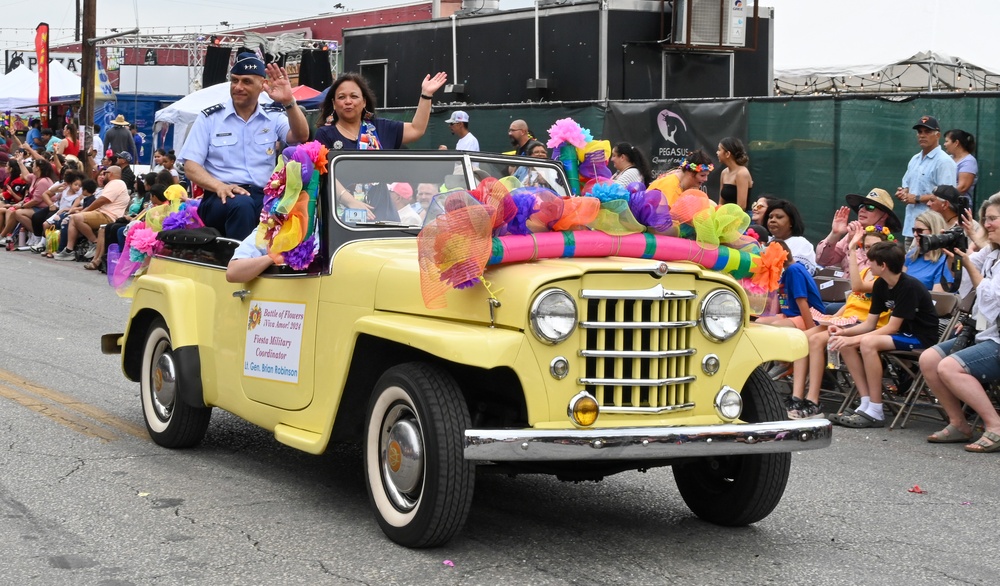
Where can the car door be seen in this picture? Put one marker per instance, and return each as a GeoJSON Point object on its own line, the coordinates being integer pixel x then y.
{"type": "Point", "coordinates": [277, 334]}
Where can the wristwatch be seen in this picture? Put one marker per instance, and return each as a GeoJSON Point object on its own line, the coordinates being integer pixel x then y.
{"type": "Point", "coordinates": [290, 105]}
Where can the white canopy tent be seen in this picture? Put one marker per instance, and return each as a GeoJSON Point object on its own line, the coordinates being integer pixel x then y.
{"type": "Point", "coordinates": [185, 111]}
{"type": "Point", "coordinates": [19, 88]}
{"type": "Point", "coordinates": [887, 45]}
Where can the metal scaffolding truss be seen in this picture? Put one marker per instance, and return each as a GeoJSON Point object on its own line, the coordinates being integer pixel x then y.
{"type": "Point", "coordinates": [196, 43]}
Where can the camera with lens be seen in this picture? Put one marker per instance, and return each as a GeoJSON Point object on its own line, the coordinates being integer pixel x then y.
{"type": "Point", "coordinates": [952, 239]}
{"type": "Point", "coordinates": [966, 335]}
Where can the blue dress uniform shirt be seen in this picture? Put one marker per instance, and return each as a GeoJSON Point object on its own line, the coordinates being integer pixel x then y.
{"type": "Point", "coordinates": [923, 174]}
{"type": "Point", "coordinates": [234, 151]}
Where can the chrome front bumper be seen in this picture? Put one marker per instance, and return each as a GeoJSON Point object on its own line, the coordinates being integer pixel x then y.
{"type": "Point", "coordinates": [645, 443]}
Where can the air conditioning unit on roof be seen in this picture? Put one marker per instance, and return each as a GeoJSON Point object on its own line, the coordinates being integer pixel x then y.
{"type": "Point", "coordinates": [714, 23]}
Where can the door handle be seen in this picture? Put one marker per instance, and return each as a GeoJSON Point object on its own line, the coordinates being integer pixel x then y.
{"type": "Point", "coordinates": [242, 294]}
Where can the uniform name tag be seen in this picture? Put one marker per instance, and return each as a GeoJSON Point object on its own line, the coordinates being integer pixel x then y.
{"type": "Point", "coordinates": [224, 134]}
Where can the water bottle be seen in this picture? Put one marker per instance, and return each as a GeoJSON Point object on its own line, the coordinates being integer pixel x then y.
{"type": "Point", "coordinates": [832, 356]}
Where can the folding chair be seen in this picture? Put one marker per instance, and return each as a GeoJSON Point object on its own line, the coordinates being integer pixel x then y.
{"type": "Point", "coordinates": [949, 310]}
{"type": "Point", "coordinates": [832, 289]}
{"type": "Point", "coordinates": [835, 272]}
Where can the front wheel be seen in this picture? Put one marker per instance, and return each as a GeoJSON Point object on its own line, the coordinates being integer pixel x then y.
{"type": "Point", "coordinates": [739, 490]}
{"type": "Point", "coordinates": [419, 483]}
{"type": "Point", "coordinates": [170, 422]}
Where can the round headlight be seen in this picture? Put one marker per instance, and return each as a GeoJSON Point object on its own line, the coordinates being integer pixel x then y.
{"type": "Point", "coordinates": [728, 403]}
{"type": "Point", "coordinates": [553, 316]}
{"type": "Point", "coordinates": [721, 314]}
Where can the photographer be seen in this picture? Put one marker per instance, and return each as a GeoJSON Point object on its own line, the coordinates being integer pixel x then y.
{"type": "Point", "coordinates": [948, 202]}
{"type": "Point", "coordinates": [925, 261]}
{"type": "Point", "coordinates": [961, 377]}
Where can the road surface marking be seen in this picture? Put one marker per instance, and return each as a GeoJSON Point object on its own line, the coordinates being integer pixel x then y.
{"type": "Point", "coordinates": [63, 416]}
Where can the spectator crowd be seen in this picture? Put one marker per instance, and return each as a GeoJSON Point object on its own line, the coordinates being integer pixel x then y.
{"type": "Point", "coordinates": [893, 251]}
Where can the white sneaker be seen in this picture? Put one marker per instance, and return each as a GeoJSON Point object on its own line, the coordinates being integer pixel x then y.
{"type": "Point", "coordinates": [34, 241]}
{"type": "Point", "coordinates": [65, 254]}
{"type": "Point", "coordinates": [4, 241]}
{"type": "Point", "coordinates": [90, 251]}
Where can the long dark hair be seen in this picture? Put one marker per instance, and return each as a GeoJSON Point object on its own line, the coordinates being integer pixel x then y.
{"type": "Point", "coordinates": [327, 109]}
{"type": "Point", "coordinates": [798, 226]}
{"type": "Point", "coordinates": [963, 138]}
{"type": "Point", "coordinates": [635, 157]}
{"type": "Point", "coordinates": [736, 149]}
{"type": "Point", "coordinates": [43, 170]}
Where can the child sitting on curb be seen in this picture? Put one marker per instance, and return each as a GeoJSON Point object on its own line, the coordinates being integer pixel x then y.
{"type": "Point", "coordinates": [803, 405]}
{"type": "Point", "coordinates": [913, 325]}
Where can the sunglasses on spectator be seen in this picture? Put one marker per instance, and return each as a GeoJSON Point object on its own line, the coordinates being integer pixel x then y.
{"type": "Point", "coordinates": [758, 206]}
{"type": "Point", "coordinates": [918, 231]}
{"type": "Point", "coordinates": [869, 207]}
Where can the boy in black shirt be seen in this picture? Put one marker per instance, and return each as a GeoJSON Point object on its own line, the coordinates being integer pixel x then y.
{"type": "Point", "coordinates": [913, 325]}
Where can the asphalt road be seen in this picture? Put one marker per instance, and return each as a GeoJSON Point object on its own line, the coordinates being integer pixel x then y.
{"type": "Point", "coordinates": [87, 498]}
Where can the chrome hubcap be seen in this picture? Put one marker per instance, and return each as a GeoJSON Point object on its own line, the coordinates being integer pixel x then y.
{"type": "Point", "coordinates": [164, 381]}
{"type": "Point", "coordinates": [401, 451]}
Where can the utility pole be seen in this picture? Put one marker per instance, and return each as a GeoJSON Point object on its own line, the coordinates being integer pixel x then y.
{"type": "Point", "coordinates": [87, 79]}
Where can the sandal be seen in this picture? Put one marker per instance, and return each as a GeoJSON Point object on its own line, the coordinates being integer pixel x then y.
{"type": "Point", "coordinates": [980, 448]}
{"type": "Point", "coordinates": [949, 435]}
{"type": "Point", "coordinates": [860, 420]}
{"type": "Point", "coordinates": [92, 265]}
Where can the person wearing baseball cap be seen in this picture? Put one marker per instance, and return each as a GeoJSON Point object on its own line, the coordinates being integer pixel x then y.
{"type": "Point", "coordinates": [124, 161]}
{"type": "Point", "coordinates": [402, 196]}
{"type": "Point", "coordinates": [873, 209]}
{"type": "Point", "coordinates": [231, 149]}
{"type": "Point", "coordinates": [458, 123]}
{"type": "Point", "coordinates": [927, 169]}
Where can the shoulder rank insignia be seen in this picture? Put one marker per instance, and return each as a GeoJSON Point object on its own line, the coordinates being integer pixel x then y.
{"type": "Point", "coordinates": [213, 109]}
{"type": "Point", "coordinates": [273, 107]}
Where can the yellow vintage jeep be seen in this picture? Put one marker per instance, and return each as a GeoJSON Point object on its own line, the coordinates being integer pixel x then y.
{"type": "Point", "coordinates": [580, 367]}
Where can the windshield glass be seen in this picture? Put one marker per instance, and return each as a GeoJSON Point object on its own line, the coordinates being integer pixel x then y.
{"type": "Point", "coordinates": [394, 191]}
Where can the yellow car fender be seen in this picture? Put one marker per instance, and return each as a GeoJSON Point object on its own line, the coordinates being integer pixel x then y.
{"type": "Point", "coordinates": [468, 344]}
{"type": "Point", "coordinates": [171, 297]}
{"type": "Point", "coordinates": [760, 343]}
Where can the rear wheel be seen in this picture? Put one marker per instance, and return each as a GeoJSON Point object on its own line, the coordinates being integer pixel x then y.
{"type": "Point", "coordinates": [739, 490]}
{"type": "Point", "coordinates": [170, 422]}
{"type": "Point", "coordinates": [418, 481]}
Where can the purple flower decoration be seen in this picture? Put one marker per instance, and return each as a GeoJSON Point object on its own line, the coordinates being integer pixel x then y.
{"type": "Point", "coordinates": [649, 209]}
{"type": "Point", "coordinates": [175, 221]}
{"type": "Point", "coordinates": [525, 203]}
{"type": "Point", "coordinates": [300, 257]}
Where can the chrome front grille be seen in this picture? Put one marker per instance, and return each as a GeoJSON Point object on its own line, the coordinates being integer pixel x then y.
{"type": "Point", "coordinates": [637, 354]}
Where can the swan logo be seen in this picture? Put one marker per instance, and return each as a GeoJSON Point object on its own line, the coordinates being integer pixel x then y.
{"type": "Point", "coordinates": [669, 123]}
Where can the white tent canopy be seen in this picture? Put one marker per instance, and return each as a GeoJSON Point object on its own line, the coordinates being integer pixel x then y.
{"type": "Point", "coordinates": [19, 88]}
{"type": "Point", "coordinates": [185, 111]}
{"type": "Point", "coordinates": [865, 37]}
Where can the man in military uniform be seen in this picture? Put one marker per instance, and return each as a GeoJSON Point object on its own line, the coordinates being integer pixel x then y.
{"type": "Point", "coordinates": [230, 151]}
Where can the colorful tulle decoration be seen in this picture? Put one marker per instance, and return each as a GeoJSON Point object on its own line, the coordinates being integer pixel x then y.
{"type": "Point", "coordinates": [287, 218]}
{"type": "Point", "coordinates": [568, 131]}
{"type": "Point", "coordinates": [767, 271]}
{"type": "Point", "coordinates": [725, 223]}
{"type": "Point", "coordinates": [454, 246]}
{"type": "Point", "coordinates": [184, 218]}
{"type": "Point", "coordinates": [567, 156]}
{"type": "Point", "coordinates": [577, 214]}
{"type": "Point", "coordinates": [594, 158]}
{"type": "Point", "coordinates": [463, 234]}
{"type": "Point", "coordinates": [650, 210]}
{"type": "Point", "coordinates": [300, 257]}
{"type": "Point", "coordinates": [608, 191]}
